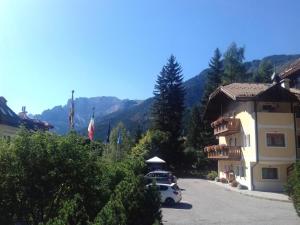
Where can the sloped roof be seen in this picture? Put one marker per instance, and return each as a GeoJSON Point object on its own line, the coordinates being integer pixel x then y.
{"type": "Point", "coordinates": [296, 92]}
{"type": "Point", "coordinates": [290, 69]}
{"type": "Point", "coordinates": [241, 90]}
{"type": "Point", "coordinates": [246, 92]}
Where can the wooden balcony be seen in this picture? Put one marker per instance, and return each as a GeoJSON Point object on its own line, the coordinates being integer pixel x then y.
{"type": "Point", "coordinates": [226, 126]}
{"type": "Point", "coordinates": [223, 152]}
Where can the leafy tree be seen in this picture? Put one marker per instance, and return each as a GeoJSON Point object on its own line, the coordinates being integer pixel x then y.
{"type": "Point", "coordinates": [168, 108]}
{"type": "Point", "coordinates": [118, 149]}
{"type": "Point", "coordinates": [55, 180]}
{"type": "Point", "coordinates": [264, 72]}
{"type": "Point", "coordinates": [199, 130]}
{"type": "Point", "coordinates": [151, 144]}
{"type": "Point", "coordinates": [234, 69]}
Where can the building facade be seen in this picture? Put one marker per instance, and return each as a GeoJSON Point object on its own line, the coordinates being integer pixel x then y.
{"type": "Point", "coordinates": [257, 127]}
{"type": "Point", "coordinates": [10, 122]}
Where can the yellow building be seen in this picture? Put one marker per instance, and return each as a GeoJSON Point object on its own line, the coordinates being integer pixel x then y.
{"type": "Point", "coordinates": [256, 126]}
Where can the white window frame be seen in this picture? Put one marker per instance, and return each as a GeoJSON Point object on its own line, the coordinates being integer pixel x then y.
{"type": "Point", "coordinates": [247, 140]}
{"type": "Point", "coordinates": [272, 167]}
{"type": "Point", "coordinates": [242, 168]}
{"type": "Point", "coordinates": [274, 132]}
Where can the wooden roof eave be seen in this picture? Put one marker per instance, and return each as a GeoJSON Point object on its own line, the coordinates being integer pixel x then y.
{"type": "Point", "coordinates": [290, 96]}
{"type": "Point", "coordinates": [216, 94]}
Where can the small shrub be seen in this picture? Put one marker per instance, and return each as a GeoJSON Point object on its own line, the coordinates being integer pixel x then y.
{"type": "Point", "coordinates": [234, 183]}
{"type": "Point", "coordinates": [212, 175]}
{"type": "Point", "coordinates": [293, 187]}
{"type": "Point", "coordinates": [224, 180]}
{"type": "Point", "coordinates": [242, 187]}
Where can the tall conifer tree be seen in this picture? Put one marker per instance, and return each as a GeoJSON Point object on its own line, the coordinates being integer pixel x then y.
{"type": "Point", "coordinates": [168, 108]}
{"type": "Point", "coordinates": [234, 69]}
{"type": "Point", "coordinates": [199, 130]}
{"type": "Point", "coordinates": [264, 72]}
{"type": "Point", "coordinates": [214, 79]}
{"type": "Point", "coordinates": [214, 76]}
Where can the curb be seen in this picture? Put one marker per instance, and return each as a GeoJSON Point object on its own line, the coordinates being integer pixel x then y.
{"type": "Point", "coordinates": [249, 194]}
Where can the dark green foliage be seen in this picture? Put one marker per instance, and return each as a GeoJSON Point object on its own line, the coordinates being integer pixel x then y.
{"type": "Point", "coordinates": [168, 103]}
{"type": "Point", "coordinates": [55, 180]}
{"type": "Point", "coordinates": [131, 203]}
{"type": "Point", "coordinates": [214, 76]}
{"type": "Point", "coordinates": [199, 130]}
{"type": "Point", "coordinates": [234, 69]}
{"type": "Point", "coordinates": [293, 186]}
{"type": "Point", "coordinates": [115, 151]}
{"type": "Point", "coordinates": [151, 144]}
{"type": "Point", "coordinates": [138, 133]}
{"type": "Point", "coordinates": [212, 175]}
{"type": "Point", "coordinates": [194, 129]}
{"type": "Point", "coordinates": [264, 72]}
{"type": "Point", "coordinates": [168, 109]}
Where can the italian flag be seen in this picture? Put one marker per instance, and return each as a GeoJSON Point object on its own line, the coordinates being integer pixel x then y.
{"type": "Point", "coordinates": [91, 128]}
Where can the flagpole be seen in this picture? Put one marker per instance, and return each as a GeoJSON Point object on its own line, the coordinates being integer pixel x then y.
{"type": "Point", "coordinates": [71, 114]}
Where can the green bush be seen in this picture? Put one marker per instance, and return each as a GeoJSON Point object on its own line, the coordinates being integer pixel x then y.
{"type": "Point", "coordinates": [56, 180]}
{"type": "Point", "coordinates": [212, 175]}
{"type": "Point", "coordinates": [293, 186]}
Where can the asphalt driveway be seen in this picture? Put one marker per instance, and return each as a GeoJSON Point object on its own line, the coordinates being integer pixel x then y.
{"type": "Point", "coordinates": [207, 203]}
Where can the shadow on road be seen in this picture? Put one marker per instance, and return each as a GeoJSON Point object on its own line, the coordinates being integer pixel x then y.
{"type": "Point", "coordinates": [180, 205]}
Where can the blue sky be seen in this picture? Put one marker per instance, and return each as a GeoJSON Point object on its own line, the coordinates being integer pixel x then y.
{"type": "Point", "coordinates": [117, 48]}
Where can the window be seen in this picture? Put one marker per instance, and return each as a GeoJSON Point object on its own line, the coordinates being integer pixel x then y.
{"type": "Point", "coordinates": [297, 111]}
{"type": "Point", "coordinates": [242, 171]}
{"type": "Point", "coordinates": [247, 140]}
{"type": "Point", "coordinates": [268, 108]}
{"type": "Point", "coordinates": [275, 140]}
{"type": "Point", "coordinates": [237, 171]}
{"type": "Point", "coordinates": [163, 188]}
{"type": "Point", "coordinates": [230, 142]}
{"type": "Point", "coordinates": [270, 173]}
{"type": "Point", "coordinates": [298, 141]}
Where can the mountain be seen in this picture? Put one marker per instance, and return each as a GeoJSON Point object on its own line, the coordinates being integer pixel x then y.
{"type": "Point", "coordinates": [58, 116]}
{"type": "Point", "coordinates": [134, 113]}
{"type": "Point", "coordinates": [140, 114]}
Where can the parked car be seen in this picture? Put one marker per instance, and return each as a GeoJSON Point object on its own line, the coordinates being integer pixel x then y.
{"type": "Point", "coordinates": [169, 193]}
{"type": "Point", "coordinates": [161, 176]}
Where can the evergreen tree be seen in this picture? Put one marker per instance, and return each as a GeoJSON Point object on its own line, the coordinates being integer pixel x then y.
{"type": "Point", "coordinates": [234, 69]}
{"type": "Point", "coordinates": [194, 129]}
{"type": "Point", "coordinates": [138, 133]}
{"type": "Point", "coordinates": [214, 77]}
{"type": "Point", "coordinates": [168, 108]}
{"type": "Point", "coordinates": [264, 72]}
{"type": "Point", "coordinates": [199, 130]}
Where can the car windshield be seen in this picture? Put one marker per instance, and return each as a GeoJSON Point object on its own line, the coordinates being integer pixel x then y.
{"type": "Point", "coordinates": [175, 187]}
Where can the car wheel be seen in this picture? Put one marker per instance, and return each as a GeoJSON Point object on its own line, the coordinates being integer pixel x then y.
{"type": "Point", "coordinates": [169, 201]}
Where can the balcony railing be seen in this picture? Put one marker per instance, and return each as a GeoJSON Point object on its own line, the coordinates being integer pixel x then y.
{"type": "Point", "coordinates": [226, 126]}
{"type": "Point", "coordinates": [223, 152]}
